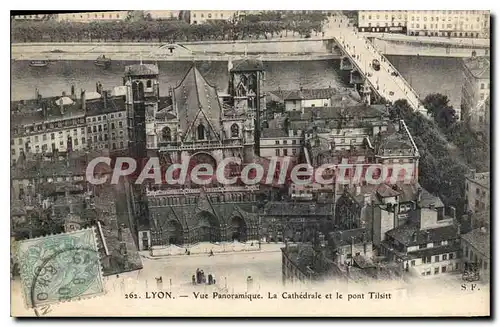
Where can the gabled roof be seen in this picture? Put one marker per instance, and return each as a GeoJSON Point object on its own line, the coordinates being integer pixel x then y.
{"type": "Point", "coordinates": [194, 98]}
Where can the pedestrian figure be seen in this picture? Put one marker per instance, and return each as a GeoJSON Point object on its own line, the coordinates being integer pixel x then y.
{"type": "Point", "coordinates": [159, 282]}
{"type": "Point", "coordinates": [210, 279]}
{"type": "Point", "coordinates": [198, 276]}
{"type": "Point", "coordinates": [193, 280]}
{"type": "Point", "coordinates": [211, 253]}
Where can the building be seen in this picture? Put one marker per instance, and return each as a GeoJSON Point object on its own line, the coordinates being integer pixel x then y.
{"type": "Point", "coordinates": [445, 23]}
{"type": "Point", "coordinates": [204, 16]}
{"type": "Point", "coordinates": [278, 141]}
{"type": "Point", "coordinates": [37, 17]}
{"type": "Point", "coordinates": [475, 247]}
{"type": "Point", "coordinates": [477, 191]}
{"type": "Point", "coordinates": [164, 14]}
{"type": "Point", "coordinates": [87, 17]}
{"type": "Point", "coordinates": [422, 238]}
{"type": "Point", "coordinates": [382, 21]}
{"type": "Point", "coordinates": [45, 125]}
{"type": "Point", "coordinates": [106, 119]}
{"type": "Point", "coordinates": [476, 91]}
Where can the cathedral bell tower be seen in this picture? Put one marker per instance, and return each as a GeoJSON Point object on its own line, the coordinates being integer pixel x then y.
{"type": "Point", "coordinates": [142, 97]}
{"type": "Point", "coordinates": [245, 85]}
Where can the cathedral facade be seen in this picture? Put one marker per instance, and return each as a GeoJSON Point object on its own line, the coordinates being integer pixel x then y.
{"type": "Point", "coordinates": [195, 124]}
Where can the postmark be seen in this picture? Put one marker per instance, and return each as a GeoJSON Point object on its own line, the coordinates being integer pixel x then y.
{"type": "Point", "coordinates": [59, 268]}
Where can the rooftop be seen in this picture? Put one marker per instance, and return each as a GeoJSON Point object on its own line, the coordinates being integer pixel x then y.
{"type": "Point", "coordinates": [478, 66]}
{"type": "Point", "coordinates": [273, 133]}
{"type": "Point", "coordinates": [141, 70]}
{"type": "Point", "coordinates": [410, 235]}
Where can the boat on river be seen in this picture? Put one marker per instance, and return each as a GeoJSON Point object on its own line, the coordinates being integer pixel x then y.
{"type": "Point", "coordinates": [102, 61]}
{"type": "Point", "coordinates": [39, 63]}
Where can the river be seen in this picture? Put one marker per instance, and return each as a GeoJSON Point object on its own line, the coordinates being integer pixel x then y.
{"type": "Point", "coordinates": [425, 74]}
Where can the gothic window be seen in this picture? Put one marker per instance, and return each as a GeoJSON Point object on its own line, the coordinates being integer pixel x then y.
{"type": "Point", "coordinates": [201, 132]}
{"type": "Point", "coordinates": [166, 134]}
{"type": "Point", "coordinates": [235, 130]}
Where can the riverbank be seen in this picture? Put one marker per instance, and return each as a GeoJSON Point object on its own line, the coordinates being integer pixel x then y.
{"type": "Point", "coordinates": [297, 50]}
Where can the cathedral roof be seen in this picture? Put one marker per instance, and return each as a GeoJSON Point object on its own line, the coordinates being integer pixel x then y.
{"type": "Point", "coordinates": [195, 99]}
{"type": "Point", "coordinates": [141, 70]}
{"type": "Point", "coordinates": [247, 65]}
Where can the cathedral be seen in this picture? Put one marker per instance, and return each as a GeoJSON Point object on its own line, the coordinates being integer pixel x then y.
{"type": "Point", "coordinates": [196, 124]}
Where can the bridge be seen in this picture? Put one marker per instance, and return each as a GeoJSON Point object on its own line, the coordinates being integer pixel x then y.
{"type": "Point", "coordinates": [358, 54]}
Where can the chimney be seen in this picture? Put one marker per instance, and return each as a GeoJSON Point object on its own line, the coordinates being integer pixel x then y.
{"type": "Point", "coordinates": [61, 106]}
{"type": "Point", "coordinates": [419, 195]}
{"type": "Point", "coordinates": [105, 99]}
{"type": "Point", "coordinates": [73, 91]}
{"type": "Point", "coordinates": [358, 189]}
{"type": "Point", "coordinates": [83, 98]}
{"type": "Point", "coordinates": [431, 206]}
{"type": "Point", "coordinates": [367, 199]}
{"type": "Point", "coordinates": [414, 236]}
{"type": "Point", "coordinates": [453, 212]}
{"type": "Point", "coordinates": [36, 95]}
{"type": "Point", "coordinates": [44, 110]}
{"type": "Point", "coordinates": [99, 87]}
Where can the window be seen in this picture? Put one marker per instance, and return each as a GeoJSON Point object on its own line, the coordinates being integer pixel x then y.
{"type": "Point", "coordinates": [13, 152]}
{"type": "Point", "coordinates": [44, 147]}
{"type": "Point", "coordinates": [76, 142]}
{"type": "Point", "coordinates": [451, 256]}
{"type": "Point", "coordinates": [52, 136]}
{"type": "Point", "coordinates": [201, 132]}
{"type": "Point", "coordinates": [83, 140]}
{"type": "Point", "coordinates": [36, 138]}
{"type": "Point", "coordinates": [277, 152]}
{"type": "Point", "coordinates": [413, 263]}
{"type": "Point", "coordinates": [21, 140]}
{"type": "Point", "coordinates": [285, 152]}
{"type": "Point", "coordinates": [422, 246]}
{"type": "Point", "coordinates": [436, 270]}
{"type": "Point", "coordinates": [445, 257]}
{"type": "Point", "coordinates": [148, 84]}
{"type": "Point", "coordinates": [100, 128]}
{"type": "Point", "coordinates": [120, 124]}
{"type": "Point", "coordinates": [235, 130]}
{"type": "Point", "coordinates": [294, 151]}
{"type": "Point", "coordinates": [94, 129]}
{"type": "Point", "coordinates": [443, 269]}
{"type": "Point", "coordinates": [112, 125]}
{"type": "Point", "coordinates": [284, 142]}
{"type": "Point", "coordinates": [276, 142]}
{"type": "Point", "coordinates": [61, 143]}
{"type": "Point", "coordinates": [119, 115]}
{"type": "Point", "coordinates": [436, 258]}
{"type": "Point", "coordinates": [428, 272]}
{"type": "Point", "coordinates": [485, 265]}
{"type": "Point", "coordinates": [194, 15]}
{"type": "Point", "coordinates": [94, 119]}
{"type": "Point", "coordinates": [167, 134]}
{"type": "Point", "coordinates": [209, 15]}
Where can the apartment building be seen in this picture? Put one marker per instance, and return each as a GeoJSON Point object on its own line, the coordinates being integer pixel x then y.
{"type": "Point", "coordinates": [205, 16]}
{"type": "Point", "coordinates": [87, 17]}
{"type": "Point", "coordinates": [477, 191]}
{"type": "Point", "coordinates": [445, 23]}
{"type": "Point", "coordinates": [476, 90]}
{"type": "Point", "coordinates": [382, 20]}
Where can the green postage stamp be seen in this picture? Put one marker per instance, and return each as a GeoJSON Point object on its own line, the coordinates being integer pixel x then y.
{"type": "Point", "coordinates": [59, 268]}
